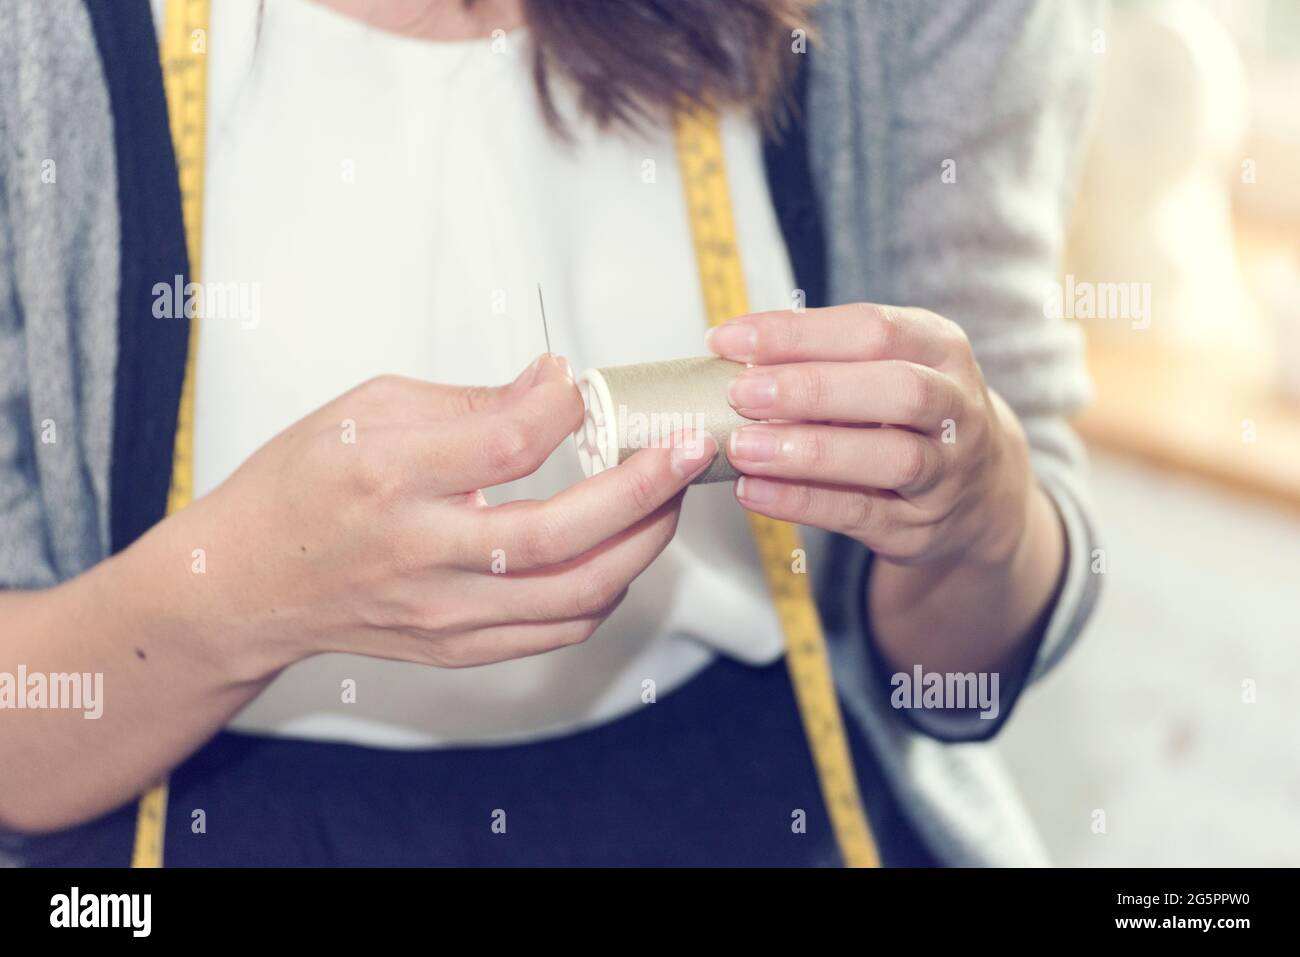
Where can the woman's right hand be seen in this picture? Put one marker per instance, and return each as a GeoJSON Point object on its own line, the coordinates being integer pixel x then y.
{"type": "Point", "coordinates": [381, 546]}
{"type": "Point", "coordinates": [361, 527]}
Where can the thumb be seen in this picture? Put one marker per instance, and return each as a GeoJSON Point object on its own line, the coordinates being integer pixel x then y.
{"type": "Point", "coordinates": [510, 437]}
{"type": "Point", "coordinates": [451, 401]}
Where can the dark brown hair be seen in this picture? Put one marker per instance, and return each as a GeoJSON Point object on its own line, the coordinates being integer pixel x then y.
{"type": "Point", "coordinates": [641, 60]}
{"type": "Point", "coordinates": [635, 60]}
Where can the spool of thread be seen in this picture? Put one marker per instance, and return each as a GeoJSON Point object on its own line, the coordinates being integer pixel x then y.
{"type": "Point", "coordinates": [640, 406]}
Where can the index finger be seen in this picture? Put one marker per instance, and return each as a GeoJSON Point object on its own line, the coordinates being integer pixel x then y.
{"type": "Point", "coordinates": [536, 534]}
{"type": "Point", "coordinates": [860, 332]}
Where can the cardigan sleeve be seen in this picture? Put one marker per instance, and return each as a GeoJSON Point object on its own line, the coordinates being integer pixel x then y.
{"type": "Point", "coordinates": [945, 138]}
{"type": "Point", "coordinates": [24, 557]}
{"type": "Point", "coordinates": [59, 231]}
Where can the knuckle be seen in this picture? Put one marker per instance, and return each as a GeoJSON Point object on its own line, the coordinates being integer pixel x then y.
{"type": "Point", "coordinates": [817, 449]}
{"type": "Point", "coordinates": [540, 541]}
{"type": "Point", "coordinates": [643, 490]}
{"type": "Point", "coordinates": [665, 530]}
{"type": "Point", "coordinates": [380, 384]}
{"type": "Point", "coordinates": [374, 478]}
{"type": "Point", "coordinates": [614, 602]}
{"type": "Point", "coordinates": [661, 530]}
{"type": "Point", "coordinates": [596, 592]}
{"type": "Point", "coordinates": [862, 512]}
{"type": "Point", "coordinates": [427, 620]}
{"type": "Point", "coordinates": [912, 463]}
{"type": "Point", "coordinates": [448, 614]}
{"type": "Point", "coordinates": [882, 325]}
{"type": "Point", "coordinates": [919, 388]}
{"type": "Point", "coordinates": [952, 331]}
{"type": "Point", "coordinates": [510, 448]}
{"type": "Point", "coordinates": [921, 543]}
{"type": "Point", "coordinates": [414, 615]}
{"type": "Point", "coordinates": [576, 632]}
{"type": "Point", "coordinates": [474, 399]}
{"type": "Point", "coordinates": [907, 546]}
{"type": "Point", "coordinates": [393, 616]}
{"type": "Point", "coordinates": [786, 336]}
{"type": "Point", "coordinates": [454, 658]}
{"type": "Point", "coordinates": [798, 499]}
{"type": "Point", "coordinates": [813, 387]}
{"type": "Point", "coordinates": [383, 389]}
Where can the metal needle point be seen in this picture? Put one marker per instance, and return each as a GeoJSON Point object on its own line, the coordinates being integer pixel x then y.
{"type": "Point", "coordinates": [541, 305]}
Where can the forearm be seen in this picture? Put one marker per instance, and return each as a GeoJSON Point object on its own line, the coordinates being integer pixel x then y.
{"type": "Point", "coordinates": [969, 614]}
{"type": "Point", "coordinates": [172, 675]}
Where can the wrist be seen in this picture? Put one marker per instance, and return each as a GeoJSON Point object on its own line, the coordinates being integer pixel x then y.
{"type": "Point", "coordinates": [1004, 538]}
{"type": "Point", "coordinates": [184, 582]}
{"type": "Point", "coordinates": [959, 614]}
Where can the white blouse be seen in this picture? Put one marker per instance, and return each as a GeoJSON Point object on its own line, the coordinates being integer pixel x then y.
{"type": "Point", "coordinates": [389, 205]}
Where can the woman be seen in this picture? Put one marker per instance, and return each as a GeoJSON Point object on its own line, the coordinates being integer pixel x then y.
{"type": "Point", "coordinates": [587, 671]}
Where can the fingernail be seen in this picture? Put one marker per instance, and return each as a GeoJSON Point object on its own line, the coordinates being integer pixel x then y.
{"type": "Point", "coordinates": [733, 340]}
{"type": "Point", "coordinates": [756, 491]}
{"type": "Point", "coordinates": [754, 443]}
{"type": "Point", "coordinates": [560, 363]}
{"type": "Point", "coordinates": [691, 453]}
{"type": "Point", "coordinates": [752, 389]}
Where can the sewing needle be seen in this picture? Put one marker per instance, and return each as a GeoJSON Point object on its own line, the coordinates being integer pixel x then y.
{"type": "Point", "coordinates": [541, 305]}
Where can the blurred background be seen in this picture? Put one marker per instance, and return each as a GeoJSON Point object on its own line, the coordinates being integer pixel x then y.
{"type": "Point", "coordinates": [1171, 736]}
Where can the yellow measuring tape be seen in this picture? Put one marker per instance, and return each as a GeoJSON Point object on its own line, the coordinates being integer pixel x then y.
{"type": "Point", "coordinates": [717, 253]}
{"type": "Point", "coordinates": [699, 149]}
{"type": "Point", "coordinates": [184, 51]}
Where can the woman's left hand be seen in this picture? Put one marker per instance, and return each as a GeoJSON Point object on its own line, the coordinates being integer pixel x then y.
{"type": "Point", "coordinates": [887, 432]}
